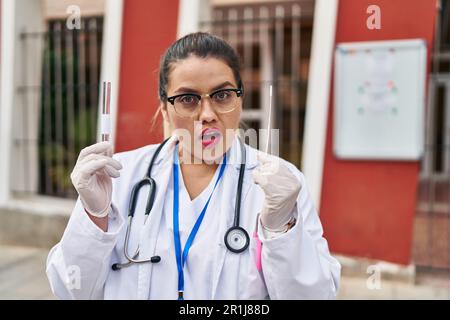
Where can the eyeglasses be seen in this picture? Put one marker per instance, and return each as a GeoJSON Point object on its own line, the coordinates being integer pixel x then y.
{"type": "Point", "coordinates": [223, 101]}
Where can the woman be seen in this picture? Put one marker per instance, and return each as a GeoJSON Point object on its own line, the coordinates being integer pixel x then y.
{"type": "Point", "coordinates": [196, 173]}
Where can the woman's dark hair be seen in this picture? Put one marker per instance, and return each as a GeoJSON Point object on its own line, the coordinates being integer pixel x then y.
{"type": "Point", "coordinates": [200, 44]}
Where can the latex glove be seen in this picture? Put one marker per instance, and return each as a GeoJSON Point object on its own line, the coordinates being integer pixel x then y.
{"type": "Point", "coordinates": [281, 188]}
{"type": "Point", "coordinates": [92, 175]}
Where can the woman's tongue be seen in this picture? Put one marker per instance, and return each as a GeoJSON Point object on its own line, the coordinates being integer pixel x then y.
{"type": "Point", "coordinates": [210, 137]}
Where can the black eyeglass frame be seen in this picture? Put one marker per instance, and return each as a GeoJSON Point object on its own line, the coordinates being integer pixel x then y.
{"type": "Point", "coordinates": [239, 93]}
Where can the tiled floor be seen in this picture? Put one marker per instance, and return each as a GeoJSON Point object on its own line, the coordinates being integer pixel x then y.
{"type": "Point", "coordinates": [22, 276]}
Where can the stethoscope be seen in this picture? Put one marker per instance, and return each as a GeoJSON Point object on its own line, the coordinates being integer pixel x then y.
{"type": "Point", "coordinates": [236, 238]}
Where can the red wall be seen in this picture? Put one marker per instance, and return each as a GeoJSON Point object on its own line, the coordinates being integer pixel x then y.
{"type": "Point", "coordinates": [149, 27]}
{"type": "Point", "coordinates": [367, 208]}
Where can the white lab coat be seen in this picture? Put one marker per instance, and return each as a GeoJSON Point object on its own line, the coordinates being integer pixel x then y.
{"type": "Point", "coordinates": [295, 265]}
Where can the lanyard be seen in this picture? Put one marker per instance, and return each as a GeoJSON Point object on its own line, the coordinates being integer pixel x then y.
{"type": "Point", "coordinates": [181, 256]}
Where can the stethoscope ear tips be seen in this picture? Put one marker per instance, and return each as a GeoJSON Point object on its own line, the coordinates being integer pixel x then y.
{"type": "Point", "coordinates": [115, 267]}
{"type": "Point", "coordinates": [155, 259]}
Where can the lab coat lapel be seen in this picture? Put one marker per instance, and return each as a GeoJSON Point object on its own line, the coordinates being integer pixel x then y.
{"type": "Point", "coordinates": [161, 173]}
{"type": "Point", "coordinates": [226, 220]}
{"type": "Point", "coordinates": [228, 202]}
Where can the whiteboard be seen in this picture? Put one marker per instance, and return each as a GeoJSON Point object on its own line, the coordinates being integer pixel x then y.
{"type": "Point", "coordinates": [379, 102]}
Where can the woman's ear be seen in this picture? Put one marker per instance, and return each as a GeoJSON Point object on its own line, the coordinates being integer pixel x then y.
{"type": "Point", "coordinates": [165, 114]}
{"type": "Point", "coordinates": [163, 108]}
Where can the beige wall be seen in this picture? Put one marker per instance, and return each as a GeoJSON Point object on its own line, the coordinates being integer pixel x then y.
{"type": "Point", "coordinates": [57, 8]}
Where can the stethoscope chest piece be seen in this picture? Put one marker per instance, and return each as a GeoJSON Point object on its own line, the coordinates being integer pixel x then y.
{"type": "Point", "coordinates": [237, 239]}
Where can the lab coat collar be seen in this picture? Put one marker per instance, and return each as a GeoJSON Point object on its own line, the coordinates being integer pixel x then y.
{"type": "Point", "coordinates": [165, 153]}
{"type": "Point", "coordinates": [235, 155]}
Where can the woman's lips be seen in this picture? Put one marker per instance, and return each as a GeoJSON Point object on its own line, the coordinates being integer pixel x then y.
{"type": "Point", "coordinates": [210, 137]}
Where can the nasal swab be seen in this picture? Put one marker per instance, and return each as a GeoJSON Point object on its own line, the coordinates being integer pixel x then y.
{"type": "Point", "coordinates": [105, 122]}
{"type": "Point", "coordinates": [270, 119]}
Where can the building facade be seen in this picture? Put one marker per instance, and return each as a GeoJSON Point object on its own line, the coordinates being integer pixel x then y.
{"type": "Point", "coordinates": [54, 55]}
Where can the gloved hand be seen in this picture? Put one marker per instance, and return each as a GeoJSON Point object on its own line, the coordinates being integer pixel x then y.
{"type": "Point", "coordinates": [92, 175]}
{"type": "Point", "coordinates": [281, 188]}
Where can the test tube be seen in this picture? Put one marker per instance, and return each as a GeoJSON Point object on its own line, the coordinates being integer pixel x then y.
{"type": "Point", "coordinates": [105, 117]}
{"type": "Point", "coordinates": [269, 120]}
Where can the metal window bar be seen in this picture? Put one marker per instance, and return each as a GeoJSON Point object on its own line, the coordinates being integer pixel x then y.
{"type": "Point", "coordinates": [68, 92]}
{"type": "Point", "coordinates": [273, 41]}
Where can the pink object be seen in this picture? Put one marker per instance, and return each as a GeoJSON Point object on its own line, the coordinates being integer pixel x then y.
{"type": "Point", "coordinates": [258, 251]}
{"type": "Point", "coordinates": [210, 137]}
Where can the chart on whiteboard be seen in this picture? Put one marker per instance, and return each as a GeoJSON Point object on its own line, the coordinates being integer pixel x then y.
{"type": "Point", "coordinates": [379, 94]}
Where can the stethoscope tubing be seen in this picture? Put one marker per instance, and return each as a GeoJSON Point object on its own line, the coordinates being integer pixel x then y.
{"type": "Point", "coordinates": [152, 185]}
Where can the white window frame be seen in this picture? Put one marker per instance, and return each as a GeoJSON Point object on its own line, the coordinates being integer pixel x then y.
{"type": "Point", "coordinates": [109, 71]}
{"type": "Point", "coordinates": [7, 85]}
{"type": "Point", "coordinates": [318, 95]}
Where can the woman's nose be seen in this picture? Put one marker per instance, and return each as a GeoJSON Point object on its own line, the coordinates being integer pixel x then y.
{"type": "Point", "coordinates": [207, 112]}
